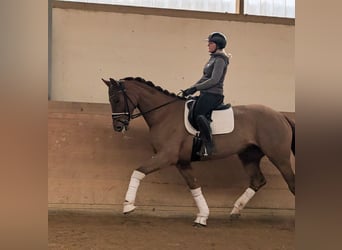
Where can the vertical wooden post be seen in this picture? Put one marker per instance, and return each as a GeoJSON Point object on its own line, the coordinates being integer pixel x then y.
{"type": "Point", "coordinates": [240, 7]}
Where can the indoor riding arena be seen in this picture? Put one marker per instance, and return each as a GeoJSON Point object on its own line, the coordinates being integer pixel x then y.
{"type": "Point", "coordinates": [90, 164]}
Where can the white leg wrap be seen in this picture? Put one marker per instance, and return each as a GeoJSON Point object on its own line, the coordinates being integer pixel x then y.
{"type": "Point", "coordinates": [203, 214]}
{"type": "Point", "coordinates": [242, 201]}
{"type": "Point", "coordinates": [132, 191]}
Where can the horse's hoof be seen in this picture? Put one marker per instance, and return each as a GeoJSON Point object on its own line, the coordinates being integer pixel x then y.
{"type": "Point", "coordinates": [129, 212]}
{"type": "Point", "coordinates": [234, 216]}
{"type": "Point", "coordinates": [201, 220]}
{"type": "Point", "coordinates": [198, 225]}
{"type": "Point", "coordinates": [128, 208]}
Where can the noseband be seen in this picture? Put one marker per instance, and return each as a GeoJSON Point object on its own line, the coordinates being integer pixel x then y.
{"type": "Point", "coordinates": [127, 112]}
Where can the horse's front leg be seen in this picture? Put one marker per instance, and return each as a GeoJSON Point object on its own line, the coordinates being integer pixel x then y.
{"type": "Point", "coordinates": [155, 163]}
{"type": "Point", "coordinates": [186, 171]}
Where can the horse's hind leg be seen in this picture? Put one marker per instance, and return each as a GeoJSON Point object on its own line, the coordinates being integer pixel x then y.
{"type": "Point", "coordinates": [279, 153]}
{"type": "Point", "coordinates": [284, 167]}
{"type": "Point", "coordinates": [196, 191]}
{"type": "Point", "coordinates": [250, 159]}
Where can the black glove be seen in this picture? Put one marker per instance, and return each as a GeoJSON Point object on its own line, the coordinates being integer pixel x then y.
{"type": "Point", "coordinates": [189, 91]}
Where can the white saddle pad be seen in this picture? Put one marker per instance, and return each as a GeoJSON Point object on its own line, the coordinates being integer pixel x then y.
{"type": "Point", "coordinates": [223, 121]}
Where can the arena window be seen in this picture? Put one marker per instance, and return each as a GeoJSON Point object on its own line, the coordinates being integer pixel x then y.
{"type": "Point", "coordinates": [275, 8]}
{"type": "Point", "coordinates": [271, 8]}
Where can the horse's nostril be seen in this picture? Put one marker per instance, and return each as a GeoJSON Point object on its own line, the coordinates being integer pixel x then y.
{"type": "Point", "coordinates": [117, 128]}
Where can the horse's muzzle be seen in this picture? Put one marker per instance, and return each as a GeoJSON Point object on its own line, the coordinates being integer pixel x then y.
{"type": "Point", "coordinates": [120, 124]}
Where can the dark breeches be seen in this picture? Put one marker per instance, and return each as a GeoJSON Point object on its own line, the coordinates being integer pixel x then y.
{"type": "Point", "coordinates": [206, 102]}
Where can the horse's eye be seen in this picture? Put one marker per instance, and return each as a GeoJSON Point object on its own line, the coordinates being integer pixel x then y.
{"type": "Point", "coordinates": [114, 100]}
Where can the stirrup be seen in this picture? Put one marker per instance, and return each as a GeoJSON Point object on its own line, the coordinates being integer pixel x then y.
{"type": "Point", "coordinates": [205, 154]}
{"type": "Point", "coordinates": [208, 149]}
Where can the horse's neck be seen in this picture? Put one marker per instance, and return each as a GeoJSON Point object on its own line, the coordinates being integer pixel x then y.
{"type": "Point", "coordinates": [150, 98]}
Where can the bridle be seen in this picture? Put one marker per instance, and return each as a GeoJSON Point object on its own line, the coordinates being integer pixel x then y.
{"type": "Point", "coordinates": [127, 112]}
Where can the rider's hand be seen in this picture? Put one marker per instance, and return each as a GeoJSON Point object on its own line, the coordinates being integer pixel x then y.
{"type": "Point", "coordinates": [189, 91]}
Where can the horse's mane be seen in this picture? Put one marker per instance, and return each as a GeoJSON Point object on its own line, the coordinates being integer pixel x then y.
{"type": "Point", "coordinates": [151, 84]}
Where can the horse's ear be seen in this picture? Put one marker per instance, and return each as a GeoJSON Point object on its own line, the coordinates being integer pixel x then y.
{"type": "Point", "coordinates": [112, 81]}
{"type": "Point", "coordinates": [108, 83]}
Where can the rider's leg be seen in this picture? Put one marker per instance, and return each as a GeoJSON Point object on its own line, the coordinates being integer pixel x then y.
{"type": "Point", "coordinates": [205, 132]}
{"type": "Point", "coordinates": [204, 105]}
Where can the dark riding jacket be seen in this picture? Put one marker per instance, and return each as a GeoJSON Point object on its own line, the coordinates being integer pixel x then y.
{"type": "Point", "coordinates": [214, 73]}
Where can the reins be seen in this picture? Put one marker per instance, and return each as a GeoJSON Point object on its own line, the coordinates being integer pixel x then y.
{"type": "Point", "coordinates": [133, 116]}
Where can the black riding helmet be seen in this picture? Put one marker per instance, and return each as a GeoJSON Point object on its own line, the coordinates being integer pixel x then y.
{"type": "Point", "coordinates": [219, 39]}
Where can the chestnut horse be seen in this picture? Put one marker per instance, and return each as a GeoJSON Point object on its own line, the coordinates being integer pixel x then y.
{"type": "Point", "coordinates": [258, 131]}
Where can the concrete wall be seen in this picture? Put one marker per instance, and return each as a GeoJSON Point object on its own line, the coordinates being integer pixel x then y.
{"type": "Point", "coordinates": [90, 42]}
{"type": "Point", "coordinates": [90, 166]}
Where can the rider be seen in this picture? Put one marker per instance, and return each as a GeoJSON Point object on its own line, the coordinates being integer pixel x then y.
{"type": "Point", "coordinates": [210, 86]}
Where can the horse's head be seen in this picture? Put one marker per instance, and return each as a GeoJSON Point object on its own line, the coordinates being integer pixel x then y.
{"type": "Point", "coordinates": [122, 105]}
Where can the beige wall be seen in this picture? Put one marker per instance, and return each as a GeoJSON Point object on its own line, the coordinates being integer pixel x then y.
{"type": "Point", "coordinates": [169, 51]}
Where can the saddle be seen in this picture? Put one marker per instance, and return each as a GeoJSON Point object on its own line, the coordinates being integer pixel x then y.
{"type": "Point", "coordinates": [191, 114]}
{"type": "Point", "coordinates": [222, 119]}
{"type": "Point", "coordinates": [222, 122]}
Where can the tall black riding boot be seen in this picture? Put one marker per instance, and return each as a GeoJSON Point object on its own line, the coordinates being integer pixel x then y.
{"type": "Point", "coordinates": [205, 133]}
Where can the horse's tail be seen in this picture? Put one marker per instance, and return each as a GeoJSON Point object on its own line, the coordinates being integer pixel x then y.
{"type": "Point", "coordinates": [293, 127]}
